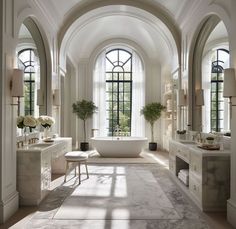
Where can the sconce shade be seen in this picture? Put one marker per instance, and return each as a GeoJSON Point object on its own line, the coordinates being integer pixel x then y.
{"type": "Point", "coordinates": [17, 83]}
{"type": "Point", "coordinates": [56, 98]}
{"type": "Point", "coordinates": [229, 83]}
{"type": "Point", "coordinates": [199, 97]}
{"type": "Point", "coordinates": [182, 98]}
{"type": "Point", "coordinates": [39, 97]}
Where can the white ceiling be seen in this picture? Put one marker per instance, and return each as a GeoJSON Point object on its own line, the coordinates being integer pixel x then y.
{"type": "Point", "coordinates": [59, 8]}
{"type": "Point", "coordinates": [114, 22]}
{"type": "Point", "coordinates": [219, 33]}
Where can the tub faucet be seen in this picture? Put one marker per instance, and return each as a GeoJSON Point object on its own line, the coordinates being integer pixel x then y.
{"type": "Point", "coordinates": [117, 130]}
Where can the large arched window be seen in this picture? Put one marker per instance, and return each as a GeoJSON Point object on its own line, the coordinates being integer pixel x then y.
{"type": "Point", "coordinates": [220, 58]}
{"type": "Point", "coordinates": [27, 62]}
{"type": "Point", "coordinates": [119, 91]}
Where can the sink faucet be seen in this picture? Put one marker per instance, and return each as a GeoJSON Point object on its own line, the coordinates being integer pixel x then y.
{"type": "Point", "coordinates": [117, 130]}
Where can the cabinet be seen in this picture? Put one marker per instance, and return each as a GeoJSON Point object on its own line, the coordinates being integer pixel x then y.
{"type": "Point", "coordinates": [35, 166]}
{"type": "Point", "coordinates": [209, 174]}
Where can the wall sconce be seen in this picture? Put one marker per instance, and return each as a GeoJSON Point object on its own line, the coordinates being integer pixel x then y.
{"type": "Point", "coordinates": [199, 98]}
{"type": "Point", "coordinates": [17, 86]}
{"type": "Point", "coordinates": [182, 98]}
{"type": "Point", "coordinates": [229, 89]}
{"type": "Point", "coordinates": [56, 98]}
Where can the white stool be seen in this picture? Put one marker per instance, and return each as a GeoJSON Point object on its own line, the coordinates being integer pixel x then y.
{"type": "Point", "coordinates": [76, 157]}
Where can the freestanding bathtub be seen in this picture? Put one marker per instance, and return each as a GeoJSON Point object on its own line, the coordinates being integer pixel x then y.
{"type": "Point", "coordinates": [119, 146]}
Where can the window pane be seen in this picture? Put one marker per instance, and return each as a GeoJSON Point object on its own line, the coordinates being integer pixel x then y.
{"type": "Point", "coordinates": [112, 56]}
{"type": "Point", "coordinates": [127, 87]}
{"type": "Point", "coordinates": [127, 66]}
{"type": "Point", "coordinates": [108, 87]}
{"type": "Point", "coordinates": [115, 76]}
{"type": "Point", "coordinates": [108, 76]}
{"type": "Point", "coordinates": [121, 76]}
{"type": "Point", "coordinates": [109, 66]}
{"type": "Point", "coordinates": [213, 87]}
{"type": "Point", "coordinates": [127, 97]}
{"type": "Point", "coordinates": [213, 96]}
{"type": "Point", "coordinates": [121, 87]}
{"type": "Point", "coordinates": [127, 76]}
{"type": "Point", "coordinates": [123, 56]}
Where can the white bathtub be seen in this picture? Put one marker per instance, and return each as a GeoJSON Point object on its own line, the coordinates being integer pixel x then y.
{"type": "Point", "coordinates": [119, 147]}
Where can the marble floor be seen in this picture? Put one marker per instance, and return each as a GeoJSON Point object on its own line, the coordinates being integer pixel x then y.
{"type": "Point", "coordinates": [175, 210]}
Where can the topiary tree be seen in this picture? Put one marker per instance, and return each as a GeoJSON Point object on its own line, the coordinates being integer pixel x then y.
{"type": "Point", "coordinates": [84, 110]}
{"type": "Point", "coordinates": [152, 112]}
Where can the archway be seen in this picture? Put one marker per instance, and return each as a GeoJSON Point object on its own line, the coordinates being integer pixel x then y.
{"type": "Point", "coordinates": [195, 68]}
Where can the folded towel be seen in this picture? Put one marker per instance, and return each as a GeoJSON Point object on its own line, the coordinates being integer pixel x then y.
{"type": "Point", "coordinates": [183, 174]}
{"type": "Point", "coordinates": [183, 178]}
{"type": "Point", "coordinates": [185, 171]}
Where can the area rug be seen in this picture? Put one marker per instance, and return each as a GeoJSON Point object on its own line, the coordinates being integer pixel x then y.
{"type": "Point", "coordinates": [117, 192]}
{"type": "Point", "coordinates": [145, 157]}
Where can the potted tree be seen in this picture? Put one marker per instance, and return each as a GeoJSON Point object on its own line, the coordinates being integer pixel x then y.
{"type": "Point", "coordinates": [84, 110]}
{"type": "Point", "coordinates": [152, 112]}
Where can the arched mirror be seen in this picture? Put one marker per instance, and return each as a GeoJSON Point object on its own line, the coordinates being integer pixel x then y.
{"type": "Point", "coordinates": [28, 61]}
{"type": "Point", "coordinates": [31, 58]}
{"type": "Point", "coordinates": [215, 113]}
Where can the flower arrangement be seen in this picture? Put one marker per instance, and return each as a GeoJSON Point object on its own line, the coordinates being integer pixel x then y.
{"type": "Point", "coordinates": [26, 121]}
{"type": "Point", "coordinates": [46, 121]}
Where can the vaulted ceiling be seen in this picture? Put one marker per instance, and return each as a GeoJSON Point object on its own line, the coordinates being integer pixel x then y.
{"type": "Point", "coordinates": [117, 22]}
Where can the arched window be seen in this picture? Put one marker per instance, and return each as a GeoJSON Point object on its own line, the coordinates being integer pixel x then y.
{"type": "Point", "coordinates": [27, 62]}
{"type": "Point", "coordinates": [219, 60]}
{"type": "Point", "coordinates": [118, 90]}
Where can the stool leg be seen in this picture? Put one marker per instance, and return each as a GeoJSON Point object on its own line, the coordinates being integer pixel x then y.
{"type": "Point", "coordinates": [86, 167]}
{"type": "Point", "coordinates": [66, 170]}
{"type": "Point", "coordinates": [79, 172]}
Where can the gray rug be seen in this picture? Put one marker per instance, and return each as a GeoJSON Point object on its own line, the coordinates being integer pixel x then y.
{"type": "Point", "coordinates": [118, 192]}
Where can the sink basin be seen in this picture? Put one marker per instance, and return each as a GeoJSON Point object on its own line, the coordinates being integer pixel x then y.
{"type": "Point", "coordinates": [187, 141]}
{"type": "Point", "coordinates": [40, 145]}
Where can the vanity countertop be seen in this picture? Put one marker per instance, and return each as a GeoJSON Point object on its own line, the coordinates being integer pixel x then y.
{"type": "Point", "coordinates": [41, 145]}
{"type": "Point", "coordinates": [203, 152]}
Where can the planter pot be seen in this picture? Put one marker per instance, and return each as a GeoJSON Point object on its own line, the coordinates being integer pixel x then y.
{"type": "Point", "coordinates": [152, 146]}
{"type": "Point", "coordinates": [84, 146]}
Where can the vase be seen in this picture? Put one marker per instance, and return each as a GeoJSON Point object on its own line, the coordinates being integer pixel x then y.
{"type": "Point", "coordinates": [46, 132]}
{"type": "Point", "coordinates": [26, 133]}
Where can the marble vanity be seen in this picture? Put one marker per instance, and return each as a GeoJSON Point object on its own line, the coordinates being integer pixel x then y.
{"type": "Point", "coordinates": [209, 174]}
{"type": "Point", "coordinates": [35, 165]}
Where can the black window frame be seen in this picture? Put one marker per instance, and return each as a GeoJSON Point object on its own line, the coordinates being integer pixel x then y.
{"type": "Point", "coordinates": [118, 95]}
{"type": "Point", "coordinates": [217, 69]}
{"type": "Point", "coordinates": [30, 63]}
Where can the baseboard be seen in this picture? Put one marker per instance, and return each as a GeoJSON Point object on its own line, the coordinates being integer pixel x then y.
{"type": "Point", "coordinates": [9, 207]}
{"type": "Point", "coordinates": [231, 212]}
